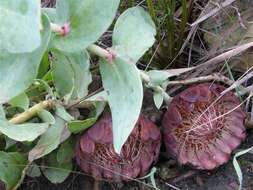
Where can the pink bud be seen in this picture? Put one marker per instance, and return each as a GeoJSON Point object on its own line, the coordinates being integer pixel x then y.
{"type": "Point", "coordinates": [65, 29]}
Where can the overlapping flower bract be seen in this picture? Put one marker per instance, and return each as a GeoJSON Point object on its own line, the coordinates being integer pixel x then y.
{"type": "Point", "coordinates": [96, 156]}
{"type": "Point", "coordinates": [201, 128]}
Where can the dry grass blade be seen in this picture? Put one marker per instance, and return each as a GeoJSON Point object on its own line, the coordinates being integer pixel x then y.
{"type": "Point", "coordinates": [239, 82]}
{"type": "Point", "coordinates": [194, 28]}
{"type": "Point", "coordinates": [177, 72]}
{"type": "Point", "coordinates": [207, 12]}
{"type": "Point", "coordinates": [237, 166]}
{"type": "Point", "coordinates": [172, 186]}
{"type": "Point", "coordinates": [235, 51]}
{"type": "Point", "coordinates": [213, 12]}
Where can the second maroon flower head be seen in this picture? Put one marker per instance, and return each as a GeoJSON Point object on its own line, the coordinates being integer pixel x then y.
{"type": "Point", "coordinates": [201, 128]}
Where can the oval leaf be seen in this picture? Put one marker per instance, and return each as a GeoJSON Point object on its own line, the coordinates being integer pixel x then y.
{"type": "Point", "coordinates": [56, 172]}
{"type": "Point", "coordinates": [133, 34]}
{"type": "Point", "coordinates": [49, 141]}
{"type": "Point", "coordinates": [121, 79]}
{"type": "Point", "coordinates": [22, 132]}
{"type": "Point", "coordinates": [20, 20]}
{"type": "Point", "coordinates": [123, 85]}
{"type": "Point", "coordinates": [19, 70]}
{"type": "Point", "coordinates": [88, 20]}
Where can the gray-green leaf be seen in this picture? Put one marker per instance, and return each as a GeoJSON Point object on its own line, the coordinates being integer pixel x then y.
{"type": "Point", "coordinates": [20, 21]}
{"type": "Point", "coordinates": [123, 85]}
{"type": "Point", "coordinates": [33, 171]}
{"type": "Point", "coordinates": [88, 20]}
{"type": "Point", "coordinates": [79, 126]}
{"type": "Point", "coordinates": [133, 34]}
{"type": "Point", "coordinates": [158, 77]}
{"type": "Point", "coordinates": [62, 113]}
{"type": "Point", "coordinates": [56, 172]}
{"type": "Point", "coordinates": [49, 141]}
{"type": "Point", "coordinates": [22, 132]}
{"type": "Point", "coordinates": [158, 99]}
{"type": "Point", "coordinates": [12, 165]}
{"type": "Point", "coordinates": [9, 142]}
{"type": "Point", "coordinates": [99, 97]}
{"type": "Point", "coordinates": [21, 101]}
{"type": "Point", "coordinates": [2, 112]}
{"type": "Point", "coordinates": [63, 75]}
{"type": "Point", "coordinates": [82, 76]}
{"type": "Point", "coordinates": [71, 74]}
{"type": "Point", "coordinates": [19, 70]}
{"type": "Point", "coordinates": [46, 116]}
{"type": "Point", "coordinates": [66, 151]}
{"type": "Point", "coordinates": [51, 13]}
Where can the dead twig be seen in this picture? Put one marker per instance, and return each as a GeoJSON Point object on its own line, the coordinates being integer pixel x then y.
{"type": "Point", "coordinates": [79, 101]}
{"type": "Point", "coordinates": [216, 77]}
{"type": "Point", "coordinates": [172, 186]}
{"type": "Point", "coordinates": [185, 176]}
{"type": "Point", "coordinates": [31, 112]}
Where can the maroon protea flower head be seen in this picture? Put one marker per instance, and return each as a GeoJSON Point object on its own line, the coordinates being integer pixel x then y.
{"type": "Point", "coordinates": [201, 127]}
{"type": "Point", "coordinates": [96, 156]}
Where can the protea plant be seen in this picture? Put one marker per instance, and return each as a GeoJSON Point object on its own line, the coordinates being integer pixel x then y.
{"type": "Point", "coordinates": [202, 127]}
{"type": "Point", "coordinates": [95, 154]}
